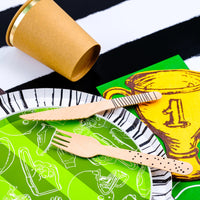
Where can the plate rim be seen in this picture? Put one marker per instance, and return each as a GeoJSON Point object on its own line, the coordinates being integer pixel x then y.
{"type": "Point", "coordinates": [6, 105]}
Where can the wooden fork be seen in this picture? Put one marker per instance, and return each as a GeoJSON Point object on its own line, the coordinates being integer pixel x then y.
{"type": "Point", "coordinates": [87, 147]}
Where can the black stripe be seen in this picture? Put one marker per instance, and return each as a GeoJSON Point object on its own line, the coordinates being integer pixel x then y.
{"type": "Point", "coordinates": [138, 130]}
{"type": "Point", "coordinates": [70, 98]}
{"type": "Point", "coordinates": [162, 181]}
{"type": "Point", "coordinates": [79, 9]}
{"type": "Point", "coordinates": [53, 95]}
{"type": "Point", "coordinates": [93, 98]}
{"type": "Point", "coordinates": [16, 102]}
{"type": "Point", "coordinates": [23, 99]}
{"type": "Point", "coordinates": [151, 152]}
{"type": "Point", "coordinates": [134, 125]}
{"type": "Point", "coordinates": [36, 98]}
{"type": "Point", "coordinates": [6, 104]}
{"type": "Point", "coordinates": [78, 97]}
{"type": "Point", "coordinates": [153, 170]}
{"type": "Point", "coordinates": [61, 97]}
{"type": "Point", "coordinates": [159, 175]}
{"type": "Point", "coordinates": [161, 153]}
{"type": "Point", "coordinates": [86, 99]}
{"type": "Point", "coordinates": [143, 131]}
{"type": "Point", "coordinates": [108, 113]}
{"type": "Point", "coordinates": [149, 146]}
{"type": "Point", "coordinates": [147, 141]}
{"type": "Point", "coordinates": [3, 107]}
{"type": "Point", "coordinates": [123, 120]}
{"type": "Point", "coordinates": [5, 18]}
{"type": "Point", "coordinates": [9, 102]}
{"type": "Point", "coordinates": [121, 116]}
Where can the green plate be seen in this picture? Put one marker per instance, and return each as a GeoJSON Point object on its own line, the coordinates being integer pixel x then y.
{"type": "Point", "coordinates": [30, 168]}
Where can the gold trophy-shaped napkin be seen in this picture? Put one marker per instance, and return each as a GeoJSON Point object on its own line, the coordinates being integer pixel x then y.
{"type": "Point", "coordinates": [175, 117]}
{"type": "Point", "coordinates": [47, 33]}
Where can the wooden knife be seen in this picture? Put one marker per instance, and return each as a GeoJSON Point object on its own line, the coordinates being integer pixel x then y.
{"type": "Point", "coordinates": [86, 110]}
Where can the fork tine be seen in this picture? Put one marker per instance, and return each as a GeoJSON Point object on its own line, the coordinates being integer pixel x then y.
{"type": "Point", "coordinates": [59, 146]}
{"type": "Point", "coordinates": [67, 139]}
{"type": "Point", "coordinates": [61, 142]}
{"type": "Point", "coordinates": [66, 133]}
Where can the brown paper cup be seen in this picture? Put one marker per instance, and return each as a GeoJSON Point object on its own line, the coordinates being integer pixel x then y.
{"type": "Point", "coordinates": [47, 33]}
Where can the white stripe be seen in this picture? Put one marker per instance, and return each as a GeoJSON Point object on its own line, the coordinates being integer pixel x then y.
{"type": "Point", "coordinates": [113, 27]}
{"type": "Point", "coordinates": [134, 19]}
{"type": "Point", "coordinates": [5, 4]}
{"type": "Point", "coordinates": [18, 68]}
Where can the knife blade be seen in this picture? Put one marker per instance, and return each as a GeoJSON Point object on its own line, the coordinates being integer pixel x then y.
{"type": "Point", "coordinates": [82, 111]}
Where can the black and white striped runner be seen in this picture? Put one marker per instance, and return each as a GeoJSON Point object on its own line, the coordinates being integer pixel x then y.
{"type": "Point", "coordinates": [133, 34]}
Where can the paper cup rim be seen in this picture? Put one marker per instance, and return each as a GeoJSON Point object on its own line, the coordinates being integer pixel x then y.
{"type": "Point", "coordinates": [76, 75]}
{"type": "Point", "coordinates": [11, 28]}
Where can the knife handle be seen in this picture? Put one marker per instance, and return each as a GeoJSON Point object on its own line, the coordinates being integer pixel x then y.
{"type": "Point", "coordinates": [136, 99]}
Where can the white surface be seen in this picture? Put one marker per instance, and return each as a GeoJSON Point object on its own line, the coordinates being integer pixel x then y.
{"type": "Point", "coordinates": [5, 4]}
{"type": "Point", "coordinates": [17, 68]}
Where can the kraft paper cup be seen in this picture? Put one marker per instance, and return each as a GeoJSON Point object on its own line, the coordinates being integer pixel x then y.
{"type": "Point", "coordinates": [44, 31]}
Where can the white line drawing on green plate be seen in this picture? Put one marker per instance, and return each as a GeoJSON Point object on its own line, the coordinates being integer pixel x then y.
{"type": "Point", "coordinates": [43, 171]}
{"type": "Point", "coordinates": [31, 124]}
{"type": "Point", "coordinates": [143, 191]}
{"type": "Point", "coordinates": [41, 138]}
{"type": "Point", "coordinates": [7, 155]}
{"type": "Point", "coordinates": [90, 122]}
{"type": "Point", "coordinates": [9, 192]}
{"type": "Point", "coordinates": [98, 123]}
{"type": "Point", "coordinates": [68, 160]}
{"type": "Point", "coordinates": [56, 198]}
{"type": "Point", "coordinates": [42, 130]}
{"type": "Point", "coordinates": [104, 160]}
{"type": "Point", "coordinates": [130, 196]}
{"type": "Point", "coordinates": [116, 132]}
{"type": "Point", "coordinates": [105, 184]}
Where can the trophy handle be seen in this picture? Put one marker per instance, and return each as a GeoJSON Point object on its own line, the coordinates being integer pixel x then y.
{"type": "Point", "coordinates": [109, 93]}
